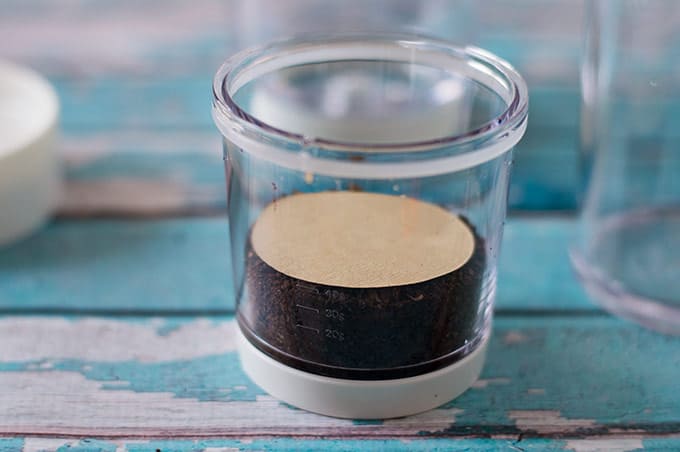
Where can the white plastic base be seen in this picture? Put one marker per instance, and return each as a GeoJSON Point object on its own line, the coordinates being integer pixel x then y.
{"type": "Point", "coordinates": [360, 399]}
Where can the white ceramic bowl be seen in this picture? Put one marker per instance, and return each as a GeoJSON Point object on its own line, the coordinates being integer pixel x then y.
{"type": "Point", "coordinates": [29, 173]}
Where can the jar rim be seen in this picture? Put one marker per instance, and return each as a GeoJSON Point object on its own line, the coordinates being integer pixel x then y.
{"type": "Point", "coordinates": [500, 132]}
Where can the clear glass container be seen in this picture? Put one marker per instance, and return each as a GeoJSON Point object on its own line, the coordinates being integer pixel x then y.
{"type": "Point", "coordinates": [449, 19]}
{"type": "Point", "coordinates": [367, 181]}
{"type": "Point", "coordinates": [542, 39]}
{"type": "Point", "coordinates": [628, 249]}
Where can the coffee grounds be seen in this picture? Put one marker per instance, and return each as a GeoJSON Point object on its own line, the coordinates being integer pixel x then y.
{"type": "Point", "coordinates": [364, 333]}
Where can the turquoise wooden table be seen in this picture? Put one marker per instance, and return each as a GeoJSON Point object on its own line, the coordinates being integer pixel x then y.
{"type": "Point", "coordinates": [116, 319]}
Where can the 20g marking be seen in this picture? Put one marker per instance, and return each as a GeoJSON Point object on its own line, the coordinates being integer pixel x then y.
{"type": "Point", "coordinates": [334, 334]}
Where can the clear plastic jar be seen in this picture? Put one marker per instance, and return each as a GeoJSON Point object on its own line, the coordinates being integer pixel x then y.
{"type": "Point", "coordinates": [627, 251]}
{"type": "Point", "coordinates": [367, 182]}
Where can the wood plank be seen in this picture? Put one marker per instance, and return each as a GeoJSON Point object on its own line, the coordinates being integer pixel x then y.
{"type": "Point", "coordinates": [132, 173]}
{"type": "Point", "coordinates": [177, 38]}
{"type": "Point", "coordinates": [157, 82]}
{"type": "Point", "coordinates": [85, 38]}
{"type": "Point", "coordinates": [183, 266]}
{"type": "Point", "coordinates": [148, 101]}
{"type": "Point", "coordinates": [546, 171]}
{"type": "Point", "coordinates": [141, 101]}
{"type": "Point", "coordinates": [33, 444]}
{"type": "Point", "coordinates": [156, 76]}
{"type": "Point", "coordinates": [142, 173]}
{"type": "Point", "coordinates": [141, 266]}
{"type": "Point", "coordinates": [586, 378]}
{"type": "Point", "coordinates": [534, 272]}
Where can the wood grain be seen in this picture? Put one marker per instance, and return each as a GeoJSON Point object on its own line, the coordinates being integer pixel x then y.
{"type": "Point", "coordinates": [122, 266]}
{"type": "Point", "coordinates": [180, 378]}
{"type": "Point", "coordinates": [84, 38]}
{"type": "Point", "coordinates": [137, 173]}
{"type": "Point", "coordinates": [622, 444]}
{"type": "Point", "coordinates": [183, 266]}
{"type": "Point", "coordinates": [146, 69]}
{"type": "Point", "coordinates": [138, 142]}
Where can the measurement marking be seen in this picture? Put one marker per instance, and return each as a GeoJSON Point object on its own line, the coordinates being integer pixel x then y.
{"type": "Point", "coordinates": [307, 288]}
{"type": "Point", "coordinates": [307, 307]}
{"type": "Point", "coordinates": [307, 328]}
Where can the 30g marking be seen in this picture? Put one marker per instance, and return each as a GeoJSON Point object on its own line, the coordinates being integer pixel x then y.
{"type": "Point", "coordinates": [334, 314]}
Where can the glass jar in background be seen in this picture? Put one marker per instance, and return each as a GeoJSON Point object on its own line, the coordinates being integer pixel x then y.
{"type": "Point", "coordinates": [542, 38]}
{"type": "Point", "coordinates": [451, 19]}
{"type": "Point", "coordinates": [628, 252]}
{"type": "Point", "coordinates": [367, 180]}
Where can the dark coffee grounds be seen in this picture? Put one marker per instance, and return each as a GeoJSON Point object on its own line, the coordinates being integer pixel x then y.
{"type": "Point", "coordinates": [363, 333]}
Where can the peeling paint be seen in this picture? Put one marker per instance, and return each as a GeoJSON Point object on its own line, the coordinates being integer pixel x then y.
{"type": "Point", "coordinates": [81, 35]}
{"type": "Point", "coordinates": [49, 339]}
{"type": "Point", "coordinates": [337, 445]}
{"type": "Point", "coordinates": [111, 410]}
{"type": "Point", "coordinates": [546, 421]}
{"type": "Point", "coordinates": [135, 195]}
{"type": "Point", "coordinates": [221, 449]}
{"type": "Point", "coordinates": [430, 421]}
{"type": "Point", "coordinates": [536, 391]}
{"type": "Point", "coordinates": [514, 337]}
{"type": "Point", "coordinates": [45, 444]}
{"type": "Point", "coordinates": [484, 382]}
{"type": "Point", "coordinates": [604, 445]}
{"type": "Point", "coordinates": [504, 406]}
